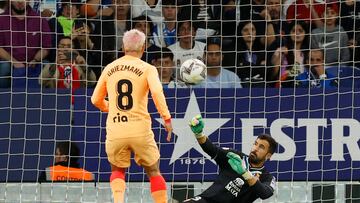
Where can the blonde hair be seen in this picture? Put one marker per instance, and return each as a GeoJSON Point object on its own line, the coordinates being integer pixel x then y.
{"type": "Point", "coordinates": [133, 40]}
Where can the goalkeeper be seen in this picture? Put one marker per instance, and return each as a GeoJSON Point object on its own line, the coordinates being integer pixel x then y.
{"type": "Point", "coordinates": [241, 178]}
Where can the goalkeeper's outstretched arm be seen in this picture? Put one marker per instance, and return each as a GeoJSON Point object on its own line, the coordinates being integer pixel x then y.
{"type": "Point", "coordinates": [264, 189]}
{"type": "Point", "coordinates": [197, 126]}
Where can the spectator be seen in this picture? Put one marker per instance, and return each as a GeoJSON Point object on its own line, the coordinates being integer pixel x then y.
{"type": "Point", "coordinates": [292, 62]}
{"type": "Point", "coordinates": [81, 37]}
{"type": "Point", "coordinates": [217, 77]}
{"type": "Point", "coordinates": [46, 9]}
{"type": "Point", "coordinates": [253, 10]}
{"type": "Point", "coordinates": [145, 25]}
{"type": "Point", "coordinates": [298, 45]}
{"type": "Point", "coordinates": [69, 71]}
{"type": "Point", "coordinates": [164, 62]}
{"type": "Point", "coordinates": [229, 19]}
{"type": "Point", "coordinates": [88, 44]}
{"type": "Point", "coordinates": [275, 26]}
{"type": "Point", "coordinates": [331, 38]}
{"type": "Point", "coordinates": [315, 74]}
{"type": "Point", "coordinates": [165, 31]}
{"type": "Point", "coordinates": [277, 72]}
{"type": "Point", "coordinates": [151, 9]}
{"type": "Point", "coordinates": [24, 44]}
{"type": "Point", "coordinates": [3, 5]}
{"type": "Point", "coordinates": [123, 13]}
{"type": "Point", "coordinates": [349, 17]}
{"type": "Point", "coordinates": [350, 21]}
{"type": "Point", "coordinates": [65, 21]}
{"type": "Point", "coordinates": [186, 47]}
{"type": "Point", "coordinates": [251, 57]}
{"type": "Point", "coordinates": [66, 166]}
{"type": "Point", "coordinates": [206, 13]}
{"type": "Point", "coordinates": [274, 37]}
{"type": "Point", "coordinates": [100, 17]}
{"type": "Point", "coordinates": [97, 9]}
{"type": "Point", "coordinates": [309, 11]}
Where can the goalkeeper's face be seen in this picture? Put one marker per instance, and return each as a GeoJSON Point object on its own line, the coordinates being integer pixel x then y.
{"type": "Point", "coordinates": [260, 151]}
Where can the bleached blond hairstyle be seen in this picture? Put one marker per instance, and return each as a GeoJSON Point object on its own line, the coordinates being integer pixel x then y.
{"type": "Point", "coordinates": [133, 40]}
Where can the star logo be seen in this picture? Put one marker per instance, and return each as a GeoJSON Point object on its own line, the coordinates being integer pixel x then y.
{"type": "Point", "coordinates": [185, 138]}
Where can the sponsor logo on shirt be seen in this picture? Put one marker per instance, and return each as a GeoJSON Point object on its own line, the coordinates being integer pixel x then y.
{"type": "Point", "coordinates": [120, 118]}
{"type": "Point", "coordinates": [235, 186]}
{"type": "Point", "coordinates": [329, 44]}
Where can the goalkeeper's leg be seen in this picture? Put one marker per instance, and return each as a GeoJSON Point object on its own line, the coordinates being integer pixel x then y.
{"type": "Point", "coordinates": [117, 183]}
{"type": "Point", "coordinates": [157, 183]}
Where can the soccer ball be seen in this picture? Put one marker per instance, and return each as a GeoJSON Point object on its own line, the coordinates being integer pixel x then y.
{"type": "Point", "coordinates": [193, 71]}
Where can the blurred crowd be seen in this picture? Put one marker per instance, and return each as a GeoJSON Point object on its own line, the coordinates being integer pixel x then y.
{"type": "Point", "coordinates": [244, 43]}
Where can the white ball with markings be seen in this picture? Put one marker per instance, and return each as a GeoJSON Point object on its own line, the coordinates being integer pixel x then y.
{"type": "Point", "coordinates": [193, 71]}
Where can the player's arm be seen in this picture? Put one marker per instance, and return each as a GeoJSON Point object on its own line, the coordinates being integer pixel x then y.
{"type": "Point", "coordinates": [158, 96]}
{"type": "Point", "coordinates": [215, 152]}
{"type": "Point", "coordinates": [99, 94]}
{"type": "Point", "coordinates": [263, 189]}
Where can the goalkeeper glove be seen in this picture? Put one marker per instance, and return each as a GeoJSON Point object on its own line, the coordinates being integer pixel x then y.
{"type": "Point", "coordinates": [197, 126]}
{"type": "Point", "coordinates": [239, 165]}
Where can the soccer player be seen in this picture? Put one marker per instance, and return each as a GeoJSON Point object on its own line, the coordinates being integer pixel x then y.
{"type": "Point", "coordinates": [127, 82]}
{"type": "Point", "coordinates": [241, 178]}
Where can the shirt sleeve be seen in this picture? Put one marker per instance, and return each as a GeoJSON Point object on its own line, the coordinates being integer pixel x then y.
{"type": "Point", "coordinates": [99, 94]}
{"type": "Point", "coordinates": [265, 189]}
{"type": "Point", "coordinates": [237, 82]}
{"type": "Point", "coordinates": [157, 93]}
{"type": "Point", "coordinates": [217, 153]}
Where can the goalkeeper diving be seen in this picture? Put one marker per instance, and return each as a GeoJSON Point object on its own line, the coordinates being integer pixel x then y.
{"type": "Point", "coordinates": [242, 178]}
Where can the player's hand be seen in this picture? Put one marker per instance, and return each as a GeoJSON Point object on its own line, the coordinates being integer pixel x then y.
{"type": "Point", "coordinates": [197, 126]}
{"type": "Point", "coordinates": [168, 128]}
{"type": "Point", "coordinates": [236, 163]}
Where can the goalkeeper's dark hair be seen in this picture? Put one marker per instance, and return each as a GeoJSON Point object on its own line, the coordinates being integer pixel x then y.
{"type": "Point", "coordinates": [272, 143]}
{"type": "Point", "coordinates": [71, 150]}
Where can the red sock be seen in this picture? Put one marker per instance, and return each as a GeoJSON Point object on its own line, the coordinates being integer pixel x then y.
{"type": "Point", "coordinates": [158, 189]}
{"type": "Point", "coordinates": [117, 184]}
{"type": "Point", "coordinates": [117, 174]}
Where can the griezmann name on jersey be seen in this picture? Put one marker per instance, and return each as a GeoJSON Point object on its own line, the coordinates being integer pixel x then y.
{"type": "Point", "coordinates": [127, 81]}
